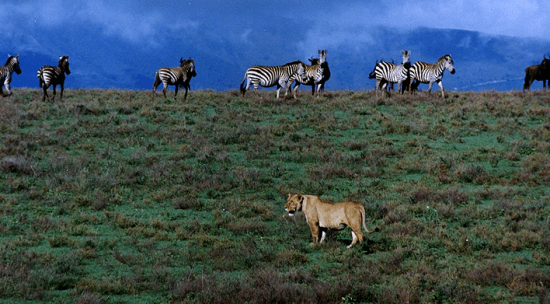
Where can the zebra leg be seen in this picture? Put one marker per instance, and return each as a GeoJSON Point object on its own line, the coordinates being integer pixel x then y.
{"type": "Point", "coordinates": [176, 92]}
{"type": "Point", "coordinates": [318, 90]}
{"type": "Point", "coordinates": [185, 95]}
{"type": "Point", "coordinates": [296, 88]}
{"type": "Point", "coordinates": [442, 90]}
{"type": "Point", "coordinates": [45, 91]}
{"type": "Point", "coordinates": [62, 88]}
{"type": "Point", "coordinates": [430, 87]}
{"type": "Point", "coordinates": [8, 89]}
{"type": "Point", "coordinates": [156, 84]}
{"type": "Point", "coordinates": [164, 89]}
{"type": "Point", "coordinates": [383, 89]}
{"type": "Point", "coordinates": [53, 97]}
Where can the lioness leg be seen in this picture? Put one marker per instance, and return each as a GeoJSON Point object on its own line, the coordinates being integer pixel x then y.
{"type": "Point", "coordinates": [315, 231]}
{"type": "Point", "coordinates": [323, 235]}
{"type": "Point", "coordinates": [356, 238]}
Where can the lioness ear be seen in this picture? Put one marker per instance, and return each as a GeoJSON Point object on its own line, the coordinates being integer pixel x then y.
{"type": "Point", "coordinates": [289, 195]}
{"type": "Point", "coordinates": [299, 196]}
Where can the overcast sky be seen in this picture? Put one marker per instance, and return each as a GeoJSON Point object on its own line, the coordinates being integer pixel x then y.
{"type": "Point", "coordinates": [147, 21]}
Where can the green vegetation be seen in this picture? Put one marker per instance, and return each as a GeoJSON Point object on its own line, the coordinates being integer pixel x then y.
{"type": "Point", "coordinates": [112, 197]}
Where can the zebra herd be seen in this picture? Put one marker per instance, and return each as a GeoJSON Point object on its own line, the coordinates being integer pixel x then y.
{"type": "Point", "coordinates": [406, 76]}
{"type": "Point", "coordinates": [421, 72]}
{"type": "Point", "coordinates": [314, 75]}
{"type": "Point", "coordinates": [283, 76]}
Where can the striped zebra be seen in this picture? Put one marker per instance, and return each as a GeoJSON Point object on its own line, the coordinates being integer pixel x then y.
{"type": "Point", "coordinates": [179, 77]}
{"type": "Point", "coordinates": [268, 76]}
{"type": "Point", "coordinates": [430, 73]}
{"type": "Point", "coordinates": [49, 75]}
{"type": "Point", "coordinates": [12, 65]}
{"type": "Point", "coordinates": [388, 73]}
{"type": "Point", "coordinates": [316, 74]}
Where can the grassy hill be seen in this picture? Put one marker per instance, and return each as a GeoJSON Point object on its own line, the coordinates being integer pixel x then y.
{"type": "Point", "coordinates": [113, 197]}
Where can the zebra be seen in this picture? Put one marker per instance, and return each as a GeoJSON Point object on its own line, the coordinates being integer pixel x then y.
{"type": "Point", "coordinates": [430, 73]}
{"type": "Point", "coordinates": [49, 75]}
{"type": "Point", "coordinates": [388, 72]}
{"type": "Point", "coordinates": [179, 77]}
{"type": "Point", "coordinates": [316, 74]}
{"type": "Point", "coordinates": [268, 76]}
{"type": "Point", "coordinates": [12, 65]}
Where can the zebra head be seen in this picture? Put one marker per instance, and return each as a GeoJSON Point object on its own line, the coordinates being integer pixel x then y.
{"type": "Point", "coordinates": [189, 66]}
{"type": "Point", "coordinates": [64, 64]}
{"type": "Point", "coordinates": [449, 64]}
{"type": "Point", "coordinates": [322, 56]}
{"type": "Point", "coordinates": [406, 56]}
{"type": "Point", "coordinates": [13, 63]}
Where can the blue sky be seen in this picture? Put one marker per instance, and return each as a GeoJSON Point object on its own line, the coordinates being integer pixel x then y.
{"type": "Point", "coordinates": [240, 33]}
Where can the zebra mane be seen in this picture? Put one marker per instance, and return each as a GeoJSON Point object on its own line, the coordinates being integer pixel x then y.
{"type": "Point", "coordinates": [9, 59]}
{"type": "Point", "coordinates": [293, 63]}
{"type": "Point", "coordinates": [443, 58]}
{"type": "Point", "coordinates": [187, 61]}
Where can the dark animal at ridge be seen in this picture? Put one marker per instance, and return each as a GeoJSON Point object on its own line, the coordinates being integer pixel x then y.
{"type": "Point", "coordinates": [49, 75]}
{"type": "Point", "coordinates": [316, 74]}
{"type": "Point", "coordinates": [12, 65]}
{"type": "Point", "coordinates": [539, 72]}
{"type": "Point", "coordinates": [179, 77]}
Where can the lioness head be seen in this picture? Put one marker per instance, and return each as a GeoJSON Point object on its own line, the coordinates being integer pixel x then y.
{"type": "Point", "coordinates": [294, 203]}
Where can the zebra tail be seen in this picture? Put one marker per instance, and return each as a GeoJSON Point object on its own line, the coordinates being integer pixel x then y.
{"type": "Point", "coordinates": [39, 75]}
{"type": "Point", "coordinates": [242, 85]}
{"type": "Point", "coordinates": [372, 75]}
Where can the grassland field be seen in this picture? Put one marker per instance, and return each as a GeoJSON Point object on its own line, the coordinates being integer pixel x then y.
{"type": "Point", "coordinates": [114, 197]}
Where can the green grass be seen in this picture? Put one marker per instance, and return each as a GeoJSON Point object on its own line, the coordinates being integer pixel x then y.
{"type": "Point", "coordinates": [113, 197]}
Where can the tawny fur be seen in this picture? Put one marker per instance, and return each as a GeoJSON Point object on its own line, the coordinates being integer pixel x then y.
{"type": "Point", "coordinates": [322, 215]}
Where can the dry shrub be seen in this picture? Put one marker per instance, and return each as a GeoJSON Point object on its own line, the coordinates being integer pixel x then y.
{"type": "Point", "coordinates": [17, 164]}
{"type": "Point", "coordinates": [89, 298]}
{"type": "Point", "coordinates": [535, 169]}
{"type": "Point", "coordinates": [243, 226]}
{"type": "Point", "coordinates": [290, 258]}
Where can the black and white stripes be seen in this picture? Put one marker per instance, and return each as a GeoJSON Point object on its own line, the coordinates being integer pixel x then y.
{"type": "Point", "coordinates": [268, 76]}
{"type": "Point", "coordinates": [430, 73]}
{"type": "Point", "coordinates": [12, 65]}
{"type": "Point", "coordinates": [388, 72]}
{"type": "Point", "coordinates": [50, 75]}
{"type": "Point", "coordinates": [179, 77]}
{"type": "Point", "coordinates": [316, 74]}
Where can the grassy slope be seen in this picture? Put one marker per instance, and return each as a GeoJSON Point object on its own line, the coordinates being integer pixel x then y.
{"type": "Point", "coordinates": [114, 197]}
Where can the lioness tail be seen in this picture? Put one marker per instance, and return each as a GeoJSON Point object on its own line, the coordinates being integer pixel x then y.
{"type": "Point", "coordinates": [365, 226]}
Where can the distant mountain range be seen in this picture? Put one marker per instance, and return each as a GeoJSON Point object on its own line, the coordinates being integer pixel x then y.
{"type": "Point", "coordinates": [482, 62]}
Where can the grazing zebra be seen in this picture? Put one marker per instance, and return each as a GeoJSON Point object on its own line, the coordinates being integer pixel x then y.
{"type": "Point", "coordinates": [12, 65]}
{"type": "Point", "coordinates": [388, 72]}
{"type": "Point", "coordinates": [268, 76]}
{"type": "Point", "coordinates": [316, 74]}
{"type": "Point", "coordinates": [49, 75]}
{"type": "Point", "coordinates": [430, 73]}
{"type": "Point", "coordinates": [179, 77]}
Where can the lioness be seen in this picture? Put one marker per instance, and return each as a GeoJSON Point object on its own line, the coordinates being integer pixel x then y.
{"type": "Point", "coordinates": [322, 215]}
